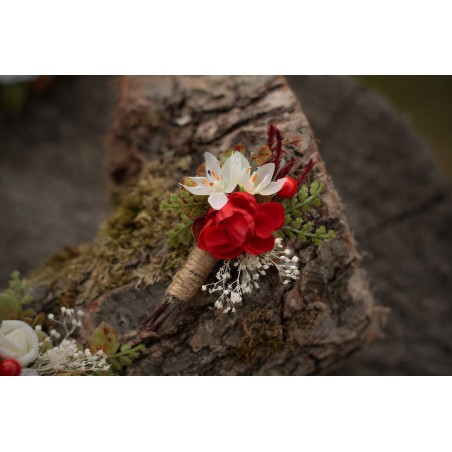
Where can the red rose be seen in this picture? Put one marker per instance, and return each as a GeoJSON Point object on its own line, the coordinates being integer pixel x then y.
{"type": "Point", "coordinates": [242, 225]}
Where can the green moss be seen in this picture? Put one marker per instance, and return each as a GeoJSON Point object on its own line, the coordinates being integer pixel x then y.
{"type": "Point", "coordinates": [263, 334]}
{"type": "Point", "coordinates": [130, 245]}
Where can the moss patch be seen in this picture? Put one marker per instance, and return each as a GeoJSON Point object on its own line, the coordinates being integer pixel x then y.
{"type": "Point", "coordinates": [263, 334]}
{"type": "Point", "coordinates": [130, 245]}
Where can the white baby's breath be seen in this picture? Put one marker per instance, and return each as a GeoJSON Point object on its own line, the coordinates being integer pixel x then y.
{"type": "Point", "coordinates": [66, 357]}
{"type": "Point", "coordinates": [240, 276]}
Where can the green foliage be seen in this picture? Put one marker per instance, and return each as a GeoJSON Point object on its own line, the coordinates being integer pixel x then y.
{"type": "Point", "coordinates": [189, 207]}
{"type": "Point", "coordinates": [180, 234]}
{"type": "Point", "coordinates": [13, 299]}
{"type": "Point", "coordinates": [186, 204]}
{"type": "Point", "coordinates": [125, 357]}
{"type": "Point", "coordinates": [105, 338]}
{"type": "Point", "coordinates": [297, 210]}
{"type": "Point", "coordinates": [130, 244]}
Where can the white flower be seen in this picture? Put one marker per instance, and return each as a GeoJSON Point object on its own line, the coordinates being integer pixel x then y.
{"type": "Point", "coordinates": [260, 181]}
{"type": "Point", "coordinates": [19, 341]}
{"type": "Point", "coordinates": [218, 181]}
{"type": "Point", "coordinates": [236, 170]}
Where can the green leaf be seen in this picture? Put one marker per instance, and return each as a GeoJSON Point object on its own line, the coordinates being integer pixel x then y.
{"type": "Point", "coordinates": [10, 307]}
{"type": "Point", "coordinates": [105, 338]}
{"type": "Point", "coordinates": [314, 188]}
{"type": "Point", "coordinates": [188, 207]}
{"type": "Point", "coordinates": [125, 361]}
{"type": "Point", "coordinates": [316, 202]}
{"type": "Point", "coordinates": [320, 231]}
{"type": "Point", "coordinates": [303, 193]}
{"type": "Point", "coordinates": [125, 356]}
{"type": "Point", "coordinates": [125, 348]}
{"type": "Point", "coordinates": [115, 364]}
{"type": "Point", "coordinates": [13, 299]}
{"type": "Point", "coordinates": [298, 213]}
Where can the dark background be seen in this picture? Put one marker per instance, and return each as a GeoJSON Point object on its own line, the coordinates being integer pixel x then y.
{"type": "Point", "coordinates": [426, 102]}
{"type": "Point", "coordinates": [387, 143]}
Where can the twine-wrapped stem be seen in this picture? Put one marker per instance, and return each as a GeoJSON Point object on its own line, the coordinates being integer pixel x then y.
{"type": "Point", "coordinates": [190, 278]}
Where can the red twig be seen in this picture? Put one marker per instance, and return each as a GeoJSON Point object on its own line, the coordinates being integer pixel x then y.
{"type": "Point", "coordinates": [284, 171]}
{"type": "Point", "coordinates": [274, 142]}
{"type": "Point", "coordinates": [305, 172]}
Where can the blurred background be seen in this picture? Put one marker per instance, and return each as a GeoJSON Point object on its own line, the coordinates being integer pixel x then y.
{"type": "Point", "coordinates": [426, 102]}
{"type": "Point", "coordinates": [386, 141]}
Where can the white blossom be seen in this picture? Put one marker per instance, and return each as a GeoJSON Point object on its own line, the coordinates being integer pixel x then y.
{"type": "Point", "coordinates": [260, 181]}
{"type": "Point", "coordinates": [19, 341]}
{"type": "Point", "coordinates": [66, 357]}
{"type": "Point", "coordinates": [218, 180]}
{"type": "Point", "coordinates": [234, 279]}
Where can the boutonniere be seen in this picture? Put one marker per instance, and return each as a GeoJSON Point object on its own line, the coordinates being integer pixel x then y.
{"type": "Point", "coordinates": [240, 209]}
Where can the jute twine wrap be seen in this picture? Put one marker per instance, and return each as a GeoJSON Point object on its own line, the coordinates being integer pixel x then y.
{"type": "Point", "coordinates": [190, 278]}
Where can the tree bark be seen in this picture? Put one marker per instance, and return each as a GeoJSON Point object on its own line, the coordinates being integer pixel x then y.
{"type": "Point", "coordinates": [399, 205]}
{"type": "Point", "coordinates": [308, 327]}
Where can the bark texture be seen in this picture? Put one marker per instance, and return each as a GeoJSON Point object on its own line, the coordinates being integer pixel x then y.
{"type": "Point", "coordinates": [399, 205]}
{"type": "Point", "coordinates": [308, 327]}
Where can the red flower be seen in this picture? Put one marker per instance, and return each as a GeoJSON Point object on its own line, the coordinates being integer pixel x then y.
{"type": "Point", "coordinates": [242, 225]}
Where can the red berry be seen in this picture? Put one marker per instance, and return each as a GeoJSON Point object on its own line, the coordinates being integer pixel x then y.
{"type": "Point", "coordinates": [289, 188]}
{"type": "Point", "coordinates": [10, 368]}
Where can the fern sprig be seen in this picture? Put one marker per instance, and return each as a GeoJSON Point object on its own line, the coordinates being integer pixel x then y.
{"type": "Point", "coordinates": [125, 356]}
{"type": "Point", "coordinates": [296, 209]}
{"type": "Point", "coordinates": [185, 203]}
{"type": "Point", "coordinates": [188, 207]}
{"type": "Point", "coordinates": [306, 197]}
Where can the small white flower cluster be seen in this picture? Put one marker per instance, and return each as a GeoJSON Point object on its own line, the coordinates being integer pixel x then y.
{"type": "Point", "coordinates": [65, 356]}
{"type": "Point", "coordinates": [68, 323]}
{"type": "Point", "coordinates": [233, 281]}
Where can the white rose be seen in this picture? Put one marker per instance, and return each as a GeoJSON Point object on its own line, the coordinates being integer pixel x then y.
{"type": "Point", "coordinates": [19, 341]}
